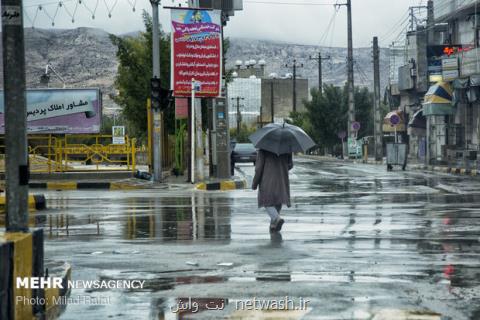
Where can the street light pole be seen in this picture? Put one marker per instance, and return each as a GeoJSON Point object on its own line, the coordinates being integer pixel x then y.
{"type": "Point", "coordinates": [157, 115]}
{"type": "Point", "coordinates": [45, 78]}
{"type": "Point", "coordinates": [16, 154]}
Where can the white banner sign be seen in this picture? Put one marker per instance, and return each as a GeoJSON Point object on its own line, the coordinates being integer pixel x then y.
{"type": "Point", "coordinates": [118, 135]}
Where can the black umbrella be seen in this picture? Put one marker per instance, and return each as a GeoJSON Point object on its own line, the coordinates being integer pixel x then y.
{"type": "Point", "coordinates": [281, 138]}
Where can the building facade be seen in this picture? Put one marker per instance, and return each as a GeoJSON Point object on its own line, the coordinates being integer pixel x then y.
{"type": "Point", "coordinates": [277, 98]}
{"type": "Point", "coordinates": [437, 85]}
{"type": "Point", "coordinates": [245, 101]}
{"type": "Point", "coordinates": [263, 99]}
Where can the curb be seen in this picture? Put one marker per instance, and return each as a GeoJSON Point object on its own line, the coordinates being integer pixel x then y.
{"type": "Point", "coordinates": [73, 185]}
{"type": "Point", "coordinates": [35, 202]}
{"type": "Point", "coordinates": [451, 170]}
{"type": "Point", "coordinates": [224, 185]}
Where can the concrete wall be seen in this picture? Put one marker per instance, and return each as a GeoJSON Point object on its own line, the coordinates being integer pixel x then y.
{"type": "Point", "coordinates": [282, 97]}
{"type": "Point", "coordinates": [249, 90]}
{"type": "Point", "coordinates": [258, 72]}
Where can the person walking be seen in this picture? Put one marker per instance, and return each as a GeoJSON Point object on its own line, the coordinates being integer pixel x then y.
{"type": "Point", "coordinates": [271, 179]}
{"type": "Point", "coordinates": [276, 144]}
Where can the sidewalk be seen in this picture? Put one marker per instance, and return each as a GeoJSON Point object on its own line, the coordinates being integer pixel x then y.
{"type": "Point", "coordinates": [410, 166]}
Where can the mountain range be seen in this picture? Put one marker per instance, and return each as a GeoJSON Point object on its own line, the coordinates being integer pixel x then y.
{"type": "Point", "coordinates": [85, 57]}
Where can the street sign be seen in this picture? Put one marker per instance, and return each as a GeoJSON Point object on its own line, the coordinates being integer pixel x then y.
{"type": "Point", "coordinates": [197, 86]}
{"type": "Point", "coordinates": [355, 126]}
{"type": "Point", "coordinates": [118, 135]}
{"type": "Point", "coordinates": [394, 119]}
{"type": "Point", "coordinates": [341, 135]}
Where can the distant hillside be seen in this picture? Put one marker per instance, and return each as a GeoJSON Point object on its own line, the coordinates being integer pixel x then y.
{"type": "Point", "coordinates": [84, 57]}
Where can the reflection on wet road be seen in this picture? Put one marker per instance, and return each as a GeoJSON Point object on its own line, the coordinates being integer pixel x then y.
{"type": "Point", "coordinates": [358, 243]}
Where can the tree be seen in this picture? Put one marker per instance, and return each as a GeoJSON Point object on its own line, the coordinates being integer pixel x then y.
{"type": "Point", "coordinates": [133, 78]}
{"type": "Point", "coordinates": [327, 113]}
{"type": "Point", "coordinates": [245, 132]}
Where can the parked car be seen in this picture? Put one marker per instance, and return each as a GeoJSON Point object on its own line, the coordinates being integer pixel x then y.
{"type": "Point", "coordinates": [243, 152]}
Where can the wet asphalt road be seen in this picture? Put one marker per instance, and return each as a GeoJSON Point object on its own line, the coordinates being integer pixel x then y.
{"type": "Point", "coordinates": [358, 243]}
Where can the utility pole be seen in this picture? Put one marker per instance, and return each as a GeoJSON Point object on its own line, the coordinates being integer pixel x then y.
{"type": "Point", "coordinates": [430, 22]}
{"type": "Point", "coordinates": [377, 130]}
{"type": "Point", "coordinates": [351, 88]}
{"type": "Point", "coordinates": [199, 152]}
{"type": "Point", "coordinates": [319, 60]}
{"type": "Point", "coordinates": [413, 19]}
{"type": "Point", "coordinates": [350, 84]}
{"type": "Point", "coordinates": [294, 67]}
{"type": "Point", "coordinates": [16, 155]}
{"type": "Point", "coordinates": [157, 114]}
{"type": "Point", "coordinates": [239, 115]}
{"type": "Point", "coordinates": [272, 103]}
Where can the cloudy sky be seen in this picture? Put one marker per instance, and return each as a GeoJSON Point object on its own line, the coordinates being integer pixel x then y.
{"type": "Point", "coordinates": [315, 22]}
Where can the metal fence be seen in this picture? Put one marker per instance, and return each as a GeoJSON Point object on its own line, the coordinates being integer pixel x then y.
{"type": "Point", "coordinates": [53, 153]}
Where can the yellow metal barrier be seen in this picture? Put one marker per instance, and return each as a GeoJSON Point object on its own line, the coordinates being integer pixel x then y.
{"type": "Point", "coordinates": [97, 150]}
{"type": "Point", "coordinates": [53, 153]}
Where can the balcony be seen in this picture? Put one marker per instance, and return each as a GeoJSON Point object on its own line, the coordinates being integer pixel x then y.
{"type": "Point", "coordinates": [448, 9]}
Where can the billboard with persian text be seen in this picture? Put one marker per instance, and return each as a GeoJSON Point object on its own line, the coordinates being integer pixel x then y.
{"type": "Point", "coordinates": [196, 52]}
{"type": "Point", "coordinates": [60, 111]}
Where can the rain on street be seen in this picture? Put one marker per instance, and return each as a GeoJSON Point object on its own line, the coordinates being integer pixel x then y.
{"type": "Point", "coordinates": [358, 243]}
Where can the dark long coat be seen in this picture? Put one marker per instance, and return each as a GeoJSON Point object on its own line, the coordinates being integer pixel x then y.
{"type": "Point", "coordinates": [271, 175]}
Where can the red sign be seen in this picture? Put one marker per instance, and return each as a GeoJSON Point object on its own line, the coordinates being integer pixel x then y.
{"type": "Point", "coordinates": [181, 108]}
{"type": "Point", "coordinates": [196, 52]}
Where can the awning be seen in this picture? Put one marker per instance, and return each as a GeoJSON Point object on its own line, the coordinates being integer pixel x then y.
{"type": "Point", "coordinates": [438, 100]}
{"type": "Point", "coordinates": [418, 120]}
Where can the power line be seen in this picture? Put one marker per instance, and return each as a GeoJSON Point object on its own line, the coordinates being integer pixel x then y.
{"type": "Point", "coordinates": [290, 3]}
{"type": "Point", "coordinates": [402, 28]}
{"type": "Point", "coordinates": [392, 30]}
{"type": "Point", "coordinates": [325, 34]}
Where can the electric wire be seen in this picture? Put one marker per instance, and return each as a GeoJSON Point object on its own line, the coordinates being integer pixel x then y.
{"type": "Point", "coordinates": [289, 3]}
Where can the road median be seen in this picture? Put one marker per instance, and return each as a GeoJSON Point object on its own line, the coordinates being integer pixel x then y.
{"type": "Point", "coordinates": [223, 185]}
{"type": "Point", "coordinates": [126, 184]}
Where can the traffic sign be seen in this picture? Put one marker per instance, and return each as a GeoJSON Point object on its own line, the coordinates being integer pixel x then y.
{"type": "Point", "coordinates": [394, 119]}
{"type": "Point", "coordinates": [355, 126]}
{"type": "Point", "coordinates": [341, 135]}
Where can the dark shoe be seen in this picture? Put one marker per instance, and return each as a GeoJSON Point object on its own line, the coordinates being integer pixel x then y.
{"type": "Point", "coordinates": [273, 224]}
{"type": "Point", "coordinates": [279, 225]}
